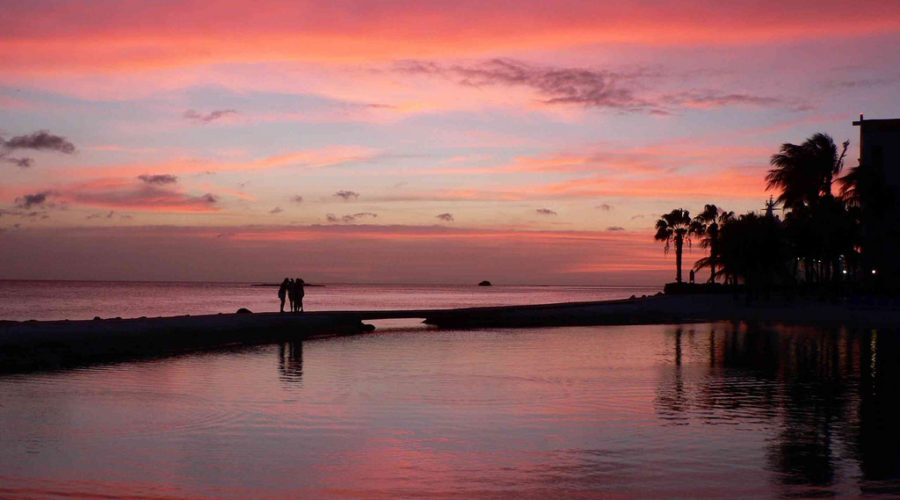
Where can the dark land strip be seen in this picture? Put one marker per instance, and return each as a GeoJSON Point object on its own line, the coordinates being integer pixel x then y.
{"type": "Point", "coordinates": [38, 345]}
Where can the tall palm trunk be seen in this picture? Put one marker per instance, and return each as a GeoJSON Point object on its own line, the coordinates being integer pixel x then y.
{"type": "Point", "coordinates": [713, 251]}
{"type": "Point", "coordinates": [679, 244]}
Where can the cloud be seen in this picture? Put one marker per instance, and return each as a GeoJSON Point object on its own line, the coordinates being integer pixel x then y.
{"type": "Point", "coordinates": [276, 210]}
{"type": "Point", "coordinates": [593, 88]}
{"type": "Point", "coordinates": [34, 200]}
{"type": "Point", "coordinates": [19, 162]}
{"type": "Point", "coordinates": [297, 199]}
{"type": "Point", "coordinates": [347, 195]}
{"type": "Point", "coordinates": [446, 217]}
{"type": "Point", "coordinates": [545, 211]}
{"type": "Point", "coordinates": [606, 207]}
{"type": "Point", "coordinates": [862, 83]}
{"type": "Point", "coordinates": [148, 38]}
{"type": "Point", "coordinates": [615, 228]}
{"type": "Point", "coordinates": [636, 217]}
{"type": "Point", "coordinates": [309, 158]}
{"type": "Point", "coordinates": [716, 99]}
{"type": "Point", "coordinates": [23, 213]}
{"type": "Point", "coordinates": [348, 218]}
{"type": "Point", "coordinates": [133, 195]}
{"type": "Point", "coordinates": [159, 179]}
{"type": "Point", "coordinates": [581, 86]}
{"type": "Point", "coordinates": [41, 140]}
{"type": "Point", "coordinates": [108, 215]}
{"type": "Point", "coordinates": [199, 117]}
{"type": "Point", "coordinates": [358, 215]}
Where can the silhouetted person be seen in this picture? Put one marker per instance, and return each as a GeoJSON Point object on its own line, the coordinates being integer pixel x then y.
{"type": "Point", "coordinates": [290, 293]}
{"type": "Point", "coordinates": [298, 295]}
{"type": "Point", "coordinates": [692, 276]}
{"type": "Point", "coordinates": [282, 291]}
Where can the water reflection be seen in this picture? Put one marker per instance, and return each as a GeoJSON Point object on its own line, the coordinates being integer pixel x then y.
{"type": "Point", "coordinates": [638, 411]}
{"type": "Point", "coordinates": [877, 436]}
{"type": "Point", "coordinates": [829, 393]}
{"type": "Point", "coordinates": [290, 362]}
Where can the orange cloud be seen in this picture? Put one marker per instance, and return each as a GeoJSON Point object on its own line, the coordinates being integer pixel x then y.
{"type": "Point", "coordinates": [736, 183]}
{"type": "Point", "coordinates": [137, 195]}
{"type": "Point", "coordinates": [310, 158]}
{"type": "Point", "coordinates": [102, 36]}
{"type": "Point", "coordinates": [730, 183]}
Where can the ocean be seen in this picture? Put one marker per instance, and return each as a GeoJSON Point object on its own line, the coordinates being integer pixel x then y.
{"type": "Point", "coordinates": [55, 300]}
{"type": "Point", "coordinates": [711, 410]}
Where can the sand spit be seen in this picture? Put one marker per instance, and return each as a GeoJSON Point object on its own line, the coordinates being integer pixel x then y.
{"type": "Point", "coordinates": [676, 309]}
{"type": "Point", "coordinates": [33, 345]}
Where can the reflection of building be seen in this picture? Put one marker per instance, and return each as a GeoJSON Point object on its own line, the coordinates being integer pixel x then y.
{"type": "Point", "coordinates": [879, 153]}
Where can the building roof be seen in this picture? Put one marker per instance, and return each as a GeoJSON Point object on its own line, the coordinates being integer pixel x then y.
{"type": "Point", "coordinates": [881, 124]}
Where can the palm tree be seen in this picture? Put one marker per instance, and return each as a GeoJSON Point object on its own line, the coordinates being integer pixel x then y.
{"type": "Point", "coordinates": [706, 225]}
{"type": "Point", "coordinates": [675, 226]}
{"type": "Point", "coordinates": [753, 251]}
{"type": "Point", "coordinates": [804, 172]}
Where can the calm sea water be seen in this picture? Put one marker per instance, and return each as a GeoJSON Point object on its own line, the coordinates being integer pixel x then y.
{"type": "Point", "coordinates": [660, 411]}
{"type": "Point", "coordinates": [48, 300]}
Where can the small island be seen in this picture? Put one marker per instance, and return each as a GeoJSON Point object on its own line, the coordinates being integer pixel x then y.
{"type": "Point", "coordinates": [485, 283]}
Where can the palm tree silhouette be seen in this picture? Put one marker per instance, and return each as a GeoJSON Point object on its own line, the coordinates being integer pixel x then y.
{"type": "Point", "coordinates": [675, 226]}
{"type": "Point", "coordinates": [707, 225]}
{"type": "Point", "coordinates": [804, 172]}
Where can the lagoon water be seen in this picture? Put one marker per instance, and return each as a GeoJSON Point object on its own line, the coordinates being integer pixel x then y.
{"type": "Point", "coordinates": [659, 411]}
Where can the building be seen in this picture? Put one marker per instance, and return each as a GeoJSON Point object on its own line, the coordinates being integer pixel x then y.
{"type": "Point", "coordinates": [879, 154]}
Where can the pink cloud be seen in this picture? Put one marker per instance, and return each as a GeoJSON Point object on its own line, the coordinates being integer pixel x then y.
{"type": "Point", "coordinates": [310, 158]}
{"type": "Point", "coordinates": [136, 194]}
{"type": "Point", "coordinates": [100, 35]}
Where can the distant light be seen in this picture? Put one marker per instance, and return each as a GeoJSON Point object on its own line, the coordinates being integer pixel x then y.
{"type": "Point", "coordinates": [844, 271]}
{"type": "Point", "coordinates": [874, 271]}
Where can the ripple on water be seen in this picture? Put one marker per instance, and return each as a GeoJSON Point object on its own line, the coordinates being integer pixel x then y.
{"type": "Point", "coordinates": [567, 412]}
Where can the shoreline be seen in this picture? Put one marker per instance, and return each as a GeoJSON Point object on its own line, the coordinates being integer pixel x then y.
{"type": "Point", "coordinates": [39, 345]}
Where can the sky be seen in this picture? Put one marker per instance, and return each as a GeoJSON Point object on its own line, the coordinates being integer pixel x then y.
{"type": "Point", "coordinates": [525, 142]}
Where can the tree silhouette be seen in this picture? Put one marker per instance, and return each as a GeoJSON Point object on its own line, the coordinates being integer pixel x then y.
{"type": "Point", "coordinates": [706, 225]}
{"type": "Point", "coordinates": [675, 226]}
{"type": "Point", "coordinates": [819, 239]}
{"type": "Point", "coordinates": [752, 250]}
{"type": "Point", "coordinates": [804, 172]}
{"type": "Point", "coordinates": [817, 225]}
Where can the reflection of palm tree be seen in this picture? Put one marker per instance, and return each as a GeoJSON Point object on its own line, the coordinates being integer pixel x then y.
{"type": "Point", "coordinates": [706, 225]}
{"type": "Point", "coordinates": [675, 226]}
{"type": "Point", "coordinates": [804, 172]}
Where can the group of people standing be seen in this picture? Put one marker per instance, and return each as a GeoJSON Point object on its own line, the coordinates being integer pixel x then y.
{"type": "Point", "coordinates": [293, 290]}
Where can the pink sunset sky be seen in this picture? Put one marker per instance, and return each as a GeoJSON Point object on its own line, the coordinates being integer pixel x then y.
{"type": "Point", "coordinates": [526, 142]}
